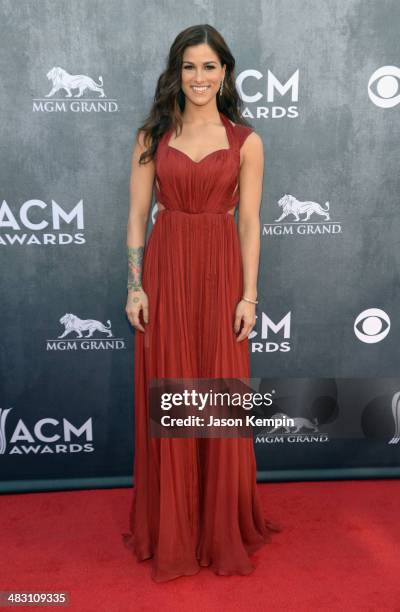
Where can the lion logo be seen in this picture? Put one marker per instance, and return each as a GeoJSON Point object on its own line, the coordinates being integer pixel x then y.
{"type": "Point", "coordinates": [299, 423]}
{"type": "Point", "coordinates": [61, 79]}
{"type": "Point", "coordinates": [72, 323]}
{"type": "Point", "coordinates": [291, 206]}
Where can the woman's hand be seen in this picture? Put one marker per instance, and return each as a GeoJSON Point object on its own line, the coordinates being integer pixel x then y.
{"type": "Point", "coordinates": [137, 301]}
{"type": "Point", "coordinates": [246, 312]}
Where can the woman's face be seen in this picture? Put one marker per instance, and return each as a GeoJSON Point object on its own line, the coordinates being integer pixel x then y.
{"type": "Point", "coordinates": [202, 74]}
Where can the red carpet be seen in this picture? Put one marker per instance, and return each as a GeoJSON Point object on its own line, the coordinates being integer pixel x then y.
{"type": "Point", "coordinates": [339, 550]}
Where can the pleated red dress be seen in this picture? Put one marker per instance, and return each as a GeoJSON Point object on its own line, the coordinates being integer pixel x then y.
{"type": "Point", "coordinates": [195, 501]}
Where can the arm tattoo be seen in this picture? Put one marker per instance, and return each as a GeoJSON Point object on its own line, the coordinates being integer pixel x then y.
{"type": "Point", "coordinates": [135, 259]}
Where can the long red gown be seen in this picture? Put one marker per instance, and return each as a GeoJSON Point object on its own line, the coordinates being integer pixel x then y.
{"type": "Point", "coordinates": [195, 501]}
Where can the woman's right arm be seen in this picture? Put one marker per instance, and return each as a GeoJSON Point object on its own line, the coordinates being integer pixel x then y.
{"type": "Point", "coordinates": [140, 197]}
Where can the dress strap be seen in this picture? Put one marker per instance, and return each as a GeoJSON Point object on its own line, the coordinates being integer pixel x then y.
{"type": "Point", "coordinates": [237, 133]}
{"type": "Point", "coordinates": [229, 129]}
{"type": "Point", "coordinates": [242, 132]}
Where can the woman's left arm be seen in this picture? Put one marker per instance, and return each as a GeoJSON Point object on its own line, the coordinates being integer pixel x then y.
{"type": "Point", "coordinates": [251, 181]}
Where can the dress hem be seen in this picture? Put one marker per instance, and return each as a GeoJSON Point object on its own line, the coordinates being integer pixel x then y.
{"type": "Point", "coordinates": [270, 526]}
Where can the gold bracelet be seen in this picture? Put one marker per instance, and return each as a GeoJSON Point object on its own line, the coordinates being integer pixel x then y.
{"type": "Point", "coordinates": [248, 300]}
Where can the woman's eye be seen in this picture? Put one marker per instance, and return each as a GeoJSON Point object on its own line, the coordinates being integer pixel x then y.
{"type": "Point", "coordinates": [207, 67]}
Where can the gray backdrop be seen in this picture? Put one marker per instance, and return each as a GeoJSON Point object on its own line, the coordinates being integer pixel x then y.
{"type": "Point", "coordinates": [320, 83]}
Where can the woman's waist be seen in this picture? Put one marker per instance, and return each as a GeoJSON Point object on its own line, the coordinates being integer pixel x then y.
{"type": "Point", "coordinates": [189, 211]}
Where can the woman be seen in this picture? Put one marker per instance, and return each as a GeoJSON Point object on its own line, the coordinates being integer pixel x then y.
{"type": "Point", "coordinates": [191, 297]}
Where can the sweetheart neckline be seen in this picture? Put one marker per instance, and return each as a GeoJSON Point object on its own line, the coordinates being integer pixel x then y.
{"type": "Point", "coordinates": [200, 160]}
{"type": "Point", "coordinates": [223, 120]}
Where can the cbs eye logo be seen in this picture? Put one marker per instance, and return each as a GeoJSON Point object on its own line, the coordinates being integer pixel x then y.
{"type": "Point", "coordinates": [369, 325]}
{"type": "Point", "coordinates": [386, 83]}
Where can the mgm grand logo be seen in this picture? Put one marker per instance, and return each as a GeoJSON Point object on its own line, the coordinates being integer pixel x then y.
{"type": "Point", "coordinates": [291, 429]}
{"type": "Point", "coordinates": [78, 93]}
{"type": "Point", "coordinates": [304, 217]}
{"type": "Point", "coordinates": [84, 334]}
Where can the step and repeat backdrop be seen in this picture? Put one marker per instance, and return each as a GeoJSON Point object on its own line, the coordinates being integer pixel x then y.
{"type": "Point", "coordinates": [320, 83]}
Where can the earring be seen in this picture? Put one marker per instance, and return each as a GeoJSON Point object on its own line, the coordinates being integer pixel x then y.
{"type": "Point", "coordinates": [221, 88]}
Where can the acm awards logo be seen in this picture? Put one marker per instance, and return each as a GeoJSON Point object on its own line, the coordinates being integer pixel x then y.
{"type": "Point", "coordinates": [77, 93]}
{"type": "Point", "coordinates": [84, 335]}
{"type": "Point", "coordinates": [262, 344]}
{"type": "Point", "coordinates": [46, 436]}
{"type": "Point", "coordinates": [263, 91]}
{"type": "Point", "coordinates": [383, 87]}
{"type": "Point", "coordinates": [36, 222]}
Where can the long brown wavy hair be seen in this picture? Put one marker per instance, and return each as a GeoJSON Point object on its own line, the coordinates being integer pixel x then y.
{"type": "Point", "coordinates": [169, 99]}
